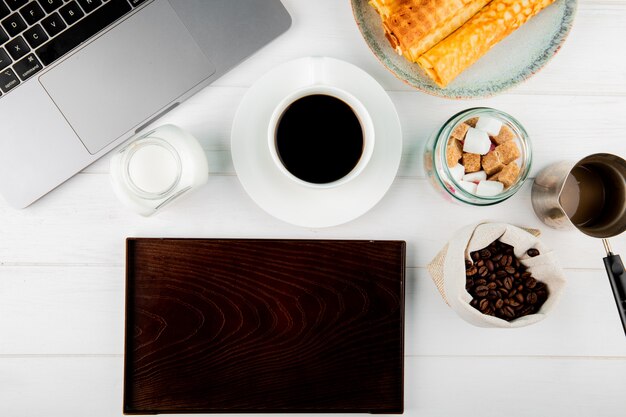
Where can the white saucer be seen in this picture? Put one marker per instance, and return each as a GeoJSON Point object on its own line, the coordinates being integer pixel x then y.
{"type": "Point", "coordinates": [279, 195]}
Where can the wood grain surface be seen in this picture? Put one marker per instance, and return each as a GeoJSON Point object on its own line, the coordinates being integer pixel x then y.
{"type": "Point", "coordinates": [264, 325]}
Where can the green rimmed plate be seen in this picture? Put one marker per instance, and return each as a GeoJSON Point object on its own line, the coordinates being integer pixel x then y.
{"type": "Point", "coordinates": [515, 59]}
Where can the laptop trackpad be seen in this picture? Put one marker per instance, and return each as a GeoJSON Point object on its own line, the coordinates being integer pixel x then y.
{"type": "Point", "coordinates": [127, 75]}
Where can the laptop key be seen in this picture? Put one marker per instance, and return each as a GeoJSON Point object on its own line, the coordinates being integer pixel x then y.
{"type": "Point", "coordinates": [50, 5]}
{"type": "Point", "coordinates": [8, 80]}
{"type": "Point", "coordinates": [5, 61]}
{"type": "Point", "coordinates": [27, 67]}
{"type": "Point", "coordinates": [84, 29]}
{"type": "Point", "coordinates": [3, 36]}
{"type": "Point", "coordinates": [14, 24]}
{"type": "Point", "coordinates": [71, 12]}
{"type": "Point", "coordinates": [89, 5]}
{"type": "Point", "coordinates": [35, 36]}
{"type": "Point", "coordinates": [16, 4]}
{"type": "Point", "coordinates": [4, 10]}
{"type": "Point", "coordinates": [53, 24]}
{"type": "Point", "coordinates": [17, 48]}
{"type": "Point", "coordinates": [32, 12]}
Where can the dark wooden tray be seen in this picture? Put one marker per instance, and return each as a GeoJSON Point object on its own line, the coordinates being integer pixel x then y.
{"type": "Point", "coordinates": [264, 326]}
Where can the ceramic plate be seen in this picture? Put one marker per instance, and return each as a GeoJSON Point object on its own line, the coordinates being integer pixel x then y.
{"type": "Point", "coordinates": [284, 198]}
{"type": "Point", "coordinates": [533, 45]}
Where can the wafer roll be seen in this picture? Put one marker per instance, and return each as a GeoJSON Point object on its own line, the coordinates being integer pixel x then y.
{"type": "Point", "coordinates": [414, 26]}
{"type": "Point", "coordinates": [446, 60]}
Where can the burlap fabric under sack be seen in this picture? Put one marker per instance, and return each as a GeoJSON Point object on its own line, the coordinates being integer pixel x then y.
{"type": "Point", "coordinates": [448, 270]}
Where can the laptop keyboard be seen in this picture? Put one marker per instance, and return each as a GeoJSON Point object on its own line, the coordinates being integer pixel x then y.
{"type": "Point", "coordinates": [35, 33]}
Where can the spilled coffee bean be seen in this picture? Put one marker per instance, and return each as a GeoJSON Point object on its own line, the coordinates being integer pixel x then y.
{"type": "Point", "coordinates": [532, 252]}
{"type": "Point", "coordinates": [500, 285]}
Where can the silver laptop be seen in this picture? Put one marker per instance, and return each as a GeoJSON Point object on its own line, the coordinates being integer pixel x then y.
{"type": "Point", "coordinates": [78, 78]}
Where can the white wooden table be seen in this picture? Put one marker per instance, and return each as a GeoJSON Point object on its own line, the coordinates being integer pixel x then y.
{"type": "Point", "coordinates": [62, 260]}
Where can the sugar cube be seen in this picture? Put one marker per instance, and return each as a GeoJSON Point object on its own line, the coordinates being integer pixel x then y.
{"type": "Point", "coordinates": [508, 152]}
{"type": "Point", "coordinates": [505, 135]}
{"type": "Point", "coordinates": [476, 141]}
{"type": "Point", "coordinates": [475, 176]}
{"type": "Point", "coordinates": [472, 121]}
{"type": "Point", "coordinates": [457, 172]}
{"type": "Point", "coordinates": [509, 174]}
{"type": "Point", "coordinates": [489, 124]}
{"type": "Point", "coordinates": [471, 162]}
{"type": "Point", "coordinates": [470, 187]}
{"type": "Point", "coordinates": [454, 151]}
{"type": "Point", "coordinates": [491, 163]}
{"type": "Point", "coordinates": [459, 131]}
{"type": "Point", "coordinates": [489, 188]}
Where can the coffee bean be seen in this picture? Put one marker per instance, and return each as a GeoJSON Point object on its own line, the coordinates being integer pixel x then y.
{"type": "Point", "coordinates": [508, 283]}
{"type": "Point", "coordinates": [532, 252]}
{"type": "Point", "coordinates": [500, 284]}
{"type": "Point", "coordinates": [526, 311]}
{"type": "Point", "coordinates": [480, 281]}
{"type": "Point", "coordinates": [482, 291]}
{"type": "Point", "coordinates": [507, 311]}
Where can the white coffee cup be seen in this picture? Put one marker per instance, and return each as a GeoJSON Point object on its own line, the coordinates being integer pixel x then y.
{"type": "Point", "coordinates": [367, 128]}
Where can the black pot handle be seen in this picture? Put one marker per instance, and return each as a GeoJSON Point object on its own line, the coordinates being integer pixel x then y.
{"type": "Point", "coordinates": [617, 277]}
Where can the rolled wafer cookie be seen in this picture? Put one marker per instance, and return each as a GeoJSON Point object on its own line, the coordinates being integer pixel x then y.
{"type": "Point", "coordinates": [446, 60]}
{"type": "Point", "coordinates": [414, 26]}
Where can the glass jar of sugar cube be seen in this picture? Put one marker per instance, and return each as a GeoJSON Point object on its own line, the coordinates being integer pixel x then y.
{"type": "Point", "coordinates": [480, 156]}
{"type": "Point", "coordinates": [158, 168]}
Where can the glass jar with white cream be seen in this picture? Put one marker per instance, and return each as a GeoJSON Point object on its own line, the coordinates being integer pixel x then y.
{"type": "Point", "coordinates": [157, 168]}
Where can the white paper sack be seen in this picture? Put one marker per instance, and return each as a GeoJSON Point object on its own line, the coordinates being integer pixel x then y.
{"type": "Point", "coordinates": [448, 271]}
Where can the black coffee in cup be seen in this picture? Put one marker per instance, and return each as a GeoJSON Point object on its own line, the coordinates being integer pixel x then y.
{"type": "Point", "coordinates": [319, 139]}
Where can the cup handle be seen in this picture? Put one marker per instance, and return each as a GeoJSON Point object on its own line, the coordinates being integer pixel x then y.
{"type": "Point", "coordinates": [317, 72]}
